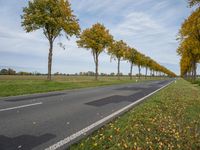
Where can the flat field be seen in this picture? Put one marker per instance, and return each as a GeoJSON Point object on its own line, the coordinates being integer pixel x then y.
{"type": "Point", "coordinates": [20, 85]}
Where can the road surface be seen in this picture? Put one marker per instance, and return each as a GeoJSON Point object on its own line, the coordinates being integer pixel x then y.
{"type": "Point", "coordinates": [57, 119]}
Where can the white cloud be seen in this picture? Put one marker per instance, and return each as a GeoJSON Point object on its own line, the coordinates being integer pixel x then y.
{"type": "Point", "coordinates": [161, 5]}
{"type": "Point", "coordinates": [136, 23]}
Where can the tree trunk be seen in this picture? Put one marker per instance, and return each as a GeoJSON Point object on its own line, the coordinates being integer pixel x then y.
{"type": "Point", "coordinates": [96, 67]}
{"type": "Point", "coordinates": [194, 70]}
{"type": "Point", "coordinates": [139, 69]}
{"type": "Point", "coordinates": [146, 73]}
{"type": "Point", "coordinates": [118, 68]}
{"type": "Point", "coordinates": [50, 59]}
{"type": "Point", "coordinates": [131, 71]}
{"type": "Point", "coordinates": [189, 74]}
{"type": "Point", "coordinates": [150, 73]}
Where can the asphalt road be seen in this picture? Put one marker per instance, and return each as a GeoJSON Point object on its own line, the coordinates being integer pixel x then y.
{"type": "Point", "coordinates": [55, 120]}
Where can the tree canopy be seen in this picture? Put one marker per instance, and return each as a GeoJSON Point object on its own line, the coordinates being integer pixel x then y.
{"type": "Point", "coordinates": [53, 16]}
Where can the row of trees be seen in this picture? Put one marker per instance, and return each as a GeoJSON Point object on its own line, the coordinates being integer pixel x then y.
{"type": "Point", "coordinates": [10, 71]}
{"type": "Point", "coordinates": [55, 17]}
{"type": "Point", "coordinates": [97, 39]}
{"type": "Point", "coordinates": [189, 48]}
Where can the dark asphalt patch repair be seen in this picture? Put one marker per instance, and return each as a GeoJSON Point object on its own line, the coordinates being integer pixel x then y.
{"type": "Point", "coordinates": [119, 99]}
{"type": "Point", "coordinates": [132, 88]}
{"type": "Point", "coordinates": [142, 92]}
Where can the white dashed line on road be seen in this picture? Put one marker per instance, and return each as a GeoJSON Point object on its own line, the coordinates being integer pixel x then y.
{"type": "Point", "coordinates": [18, 107]}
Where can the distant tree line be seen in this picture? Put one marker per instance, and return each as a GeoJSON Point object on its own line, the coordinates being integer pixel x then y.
{"type": "Point", "coordinates": [10, 71]}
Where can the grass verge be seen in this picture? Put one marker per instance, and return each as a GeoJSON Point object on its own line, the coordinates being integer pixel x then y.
{"type": "Point", "coordinates": [20, 85]}
{"type": "Point", "coordinates": [168, 120]}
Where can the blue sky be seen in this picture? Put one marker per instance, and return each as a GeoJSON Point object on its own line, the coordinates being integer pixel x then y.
{"type": "Point", "coordinates": [150, 26]}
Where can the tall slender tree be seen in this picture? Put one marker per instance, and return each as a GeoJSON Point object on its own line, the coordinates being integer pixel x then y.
{"type": "Point", "coordinates": [97, 39]}
{"type": "Point", "coordinates": [146, 64]}
{"type": "Point", "coordinates": [140, 62]}
{"type": "Point", "coordinates": [53, 17]}
{"type": "Point", "coordinates": [117, 51]}
{"type": "Point", "coordinates": [131, 57]}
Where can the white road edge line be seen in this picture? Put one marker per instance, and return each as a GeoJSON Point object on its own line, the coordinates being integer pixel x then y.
{"type": "Point", "coordinates": [22, 106]}
{"type": "Point", "coordinates": [83, 131]}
